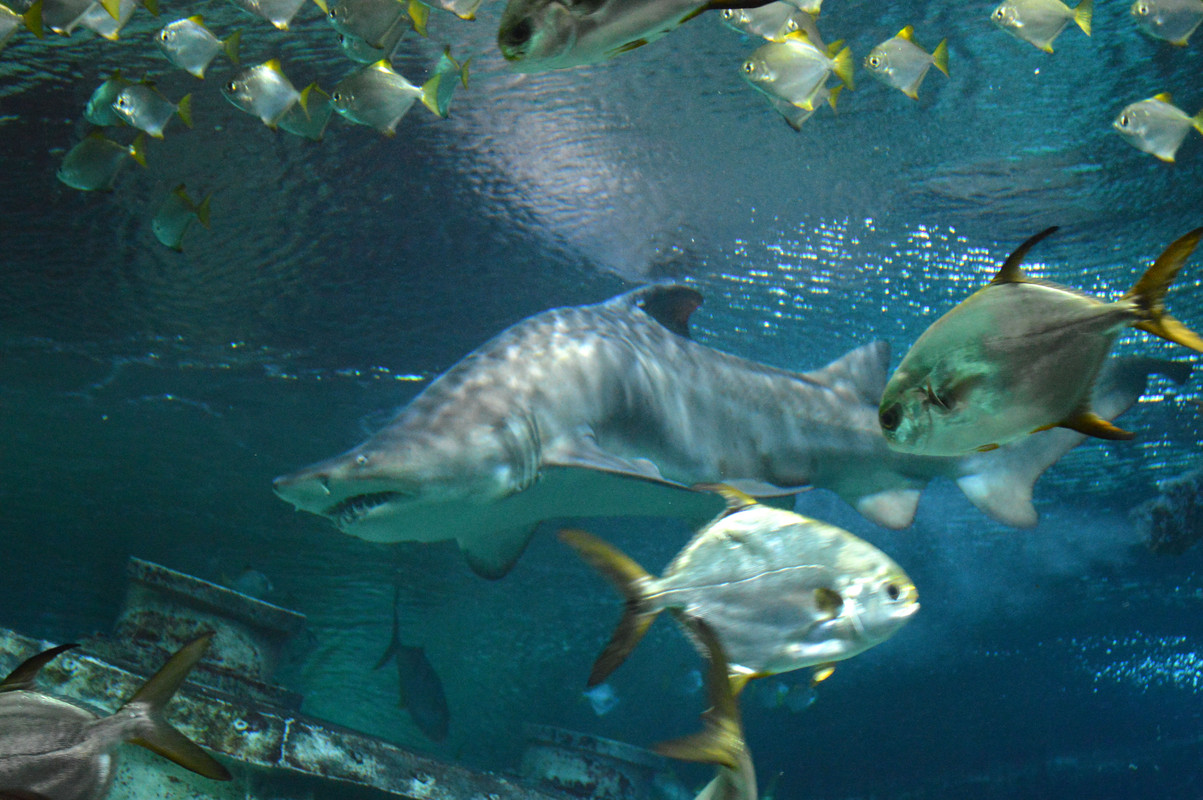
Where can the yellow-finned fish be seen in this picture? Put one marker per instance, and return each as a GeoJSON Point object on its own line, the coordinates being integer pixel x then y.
{"type": "Point", "coordinates": [56, 750]}
{"type": "Point", "coordinates": [175, 216]}
{"type": "Point", "coordinates": [63, 16]}
{"type": "Point", "coordinates": [143, 107]}
{"type": "Point", "coordinates": [1171, 20]}
{"type": "Point", "coordinates": [99, 110]}
{"type": "Point", "coordinates": [772, 22]}
{"type": "Point", "coordinates": [1157, 126]}
{"type": "Point", "coordinates": [901, 63]}
{"type": "Point", "coordinates": [1021, 356]}
{"type": "Point", "coordinates": [98, 19]}
{"type": "Point", "coordinates": [262, 91]}
{"type": "Point", "coordinates": [11, 21]}
{"type": "Point", "coordinates": [279, 13]}
{"type": "Point", "coordinates": [1039, 22]}
{"type": "Point", "coordinates": [373, 21]}
{"type": "Point", "coordinates": [191, 46]}
{"type": "Point", "coordinates": [378, 96]}
{"type": "Point", "coordinates": [540, 35]}
{"type": "Point", "coordinates": [93, 164]}
{"type": "Point", "coordinates": [781, 590]}
{"type": "Point", "coordinates": [795, 71]}
{"type": "Point", "coordinates": [309, 116]}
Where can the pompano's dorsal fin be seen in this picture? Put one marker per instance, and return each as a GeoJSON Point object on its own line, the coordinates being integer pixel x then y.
{"type": "Point", "coordinates": [23, 677]}
{"type": "Point", "coordinates": [671, 306]}
{"type": "Point", "coordinates": [1011, 270]}
{"type": "Point", "coordinates": [1164, 97]}
{"type": "Point", "coordinates": [735, 499]}
{"type": "Point", "coordinates": [907, 33]}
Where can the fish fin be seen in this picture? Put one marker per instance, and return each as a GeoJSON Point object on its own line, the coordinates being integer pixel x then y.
{"type": "Point", "coordinates": [1082, 15]}
{"type": "Point", "coordinates": [1092, 424]}
{"type": "Point", "coordinates": [828, 602]}
{"type": "Point", "coordinates": [33, 20]}
{"type": "Point", "coordinates": [939, 57]}
{"type": "Point", "coordinates": [137, 150]}
{"type": "Point", "coordinates": [1149, 293]}
{"type": "Point", "coordinates": [719, 5]}
{"type": "Point", "coordinates": [394, 645]}
{"type": "Point", "coordinates": [892, 508]}
{"type": "Point", "coordinates": [862, 371]}
{"type": "Point", "coordinates": [232, 45]}
{"type": "Point", "coordinates": [419, 14]}
{"type": "Point", "coordinates": [1197, 121]}
{"type": "Point", "coordinates": [430, 96]}
{"type": "Point", "coordinates": [322, 5]}
{"type": "Point", "coordinates": [1164, 97]}
{"type": "Point", "coordinates": [721, 741]}
{"type": "Point", "coordinates": [184, 109]}
{"type": "Point", "coordinates": [734, 498]}
{"type": "Point", "coordinates": [627, 47]}
{"type": "Point", "coordinates": [911, 92]}
{"type": "Point", "coordinates": [202, 211]}
{"type": "Point", "coordinates": [1012, 269]}
{"type": "Point", "coordinates": [113, 7]}
{"type": "Point", "coordinates": [907, 33]}
{"type": "Point", "coordinates": [494, 555]}
{"type": "Point", "coordinates": [821, 673]}
{"type": "Point", "coordinates": [833, 95]}
{"type": "Point", "coordinates": [152, 6]}
{"type": "Point", "coordinates": [631, 581]}
{"type": "Point", "coordinates": [843, 67]}
{"type": "Point", "coordinates": [22, 678]}
{"type": "Point", "coordinates": [986, 448]}
{"type": "Point", "coordinates": [163, 739]}
{"type": "Point", "coordinates": [671, 306]}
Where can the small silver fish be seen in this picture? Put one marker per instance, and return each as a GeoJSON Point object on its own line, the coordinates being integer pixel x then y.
{"type": "Point", "coordinates": [11, 21]}
{"type": "Point", "coordinates": [262, 91]}
{"type": "Point", "coordinates": [146, 109]}
{"type": "Point", "coordinates": [1039, 22]}
{"type": "Point", "coordinates": [98, 20]}
{"type": "Point", "coordinates": [772, 22]}
{"type": "Point", "coordinates": [93, 164]}
{"type": "Point", "coordinates": [310, 115]}
{"type": "Point", "coordinates": [1157, 126]}
{"type": "Point", "coordinates": [278, 12]}
{"type": "Point", "coordinates": [1171, 20]}
{"type": "Point", "coordinates": [782, 591]}
{"type": "Point", "coordinates": [1021, 356]}
{"type": "Point", "coordinates": [795, 70]}
{"type": "Point", "coordinates": [191, 46]}
{"type": "Point", "coordinates": [63, 16]}
{"type": "Point", "coordinates": [359, 50]}
{"type": "Point", "coordinates": [373, 21]}
{"type": "Point", "coordinates": [419, 685]}
{"type": "Point", "coordinates": [99, 110]}
{"type": "Point", "coordinates": [795, 116]}
{"type": "Point", "coordinates": [54, 749]}
{"type": "Point", "coordinates": [176, 214]}
{"type": "Point", "coordinates": [378, 96]}
{"type": "Point", "coordinates": [464, 9]}
{"type": "Point", "coordinates": [901, 63]}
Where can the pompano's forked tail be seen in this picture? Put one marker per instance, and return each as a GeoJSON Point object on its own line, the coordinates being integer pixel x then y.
{"type": "Point", "coordinates": [631, 581]}
{"type": "Point", "coordinates": [1149, 293]}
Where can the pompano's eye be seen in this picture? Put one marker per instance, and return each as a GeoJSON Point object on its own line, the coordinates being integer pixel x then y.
{"type": "Point", "coordinates": [890, 418]}
{"type": "Point", "coordinates": [874, 62]}
{"type": "Point", "coordinates": [1123, 120]}
{"type": "Point", "coordinates": [998, 13]}
{"type": "Point", "coordinates": [231, 87]}
{"type": "Point", "coordinates": [749, 67]}
{"type": "Point", "coordinates": [892, 591]}
{"type": "Point", "coordinates": [518, 35]}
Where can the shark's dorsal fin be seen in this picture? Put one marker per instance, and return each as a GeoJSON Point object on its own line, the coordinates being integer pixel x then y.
{"type": "Point", "coordinates": [1011, 271]}
{"type": "Point", "coordinates": [862, 371]}
{"type": "Point", "coordinates": [493, 555]}
{"type": "Point", "coordinates": [671, 306]}
{"type": "Point", "coordinates": [22, 678]}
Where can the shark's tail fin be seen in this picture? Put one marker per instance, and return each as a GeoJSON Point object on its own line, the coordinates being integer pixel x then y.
{"type": "Point", "coordinates": [155, 734]}
{"type": "Point", "coordinates": [721, 741]}
{"type": "Point", "coordinates": [631, 581]}
{"type": "Point", "coordinates": [1149, 293]}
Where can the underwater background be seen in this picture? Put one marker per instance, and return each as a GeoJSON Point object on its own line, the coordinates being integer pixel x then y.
{"type": "Point", "coordinates": [148, 397]}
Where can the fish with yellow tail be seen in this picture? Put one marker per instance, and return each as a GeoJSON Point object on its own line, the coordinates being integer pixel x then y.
{"type": "Point", "coordinates": [1157, 126]}
{"type": "Point", "coordinates": [50, 748]}
{"type": "Point", "coordinates": [379, 96]}
{"type": "Point", "coordinates": [782, 591]}
{"type": "Point", "coordinates": [1171, 20]}
{"type": "Point", "coordinates": [10, 21]}
{"type": "Point", "coordinates": [1021, 356]}
{"type": "Point", "coordinates": [93, 164]}
{"type": "Point", "coordinates": [722, 741]}
{"type": "Point", "coordinates": [902, 64]}
{"type": "Point", "coordinates": [1039, 22]}
{"type": "Point", "coordinates": [262, 91]}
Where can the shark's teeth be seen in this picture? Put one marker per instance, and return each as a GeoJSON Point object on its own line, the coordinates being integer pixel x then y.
{"type": "Point", "coordinates": [347, 512]}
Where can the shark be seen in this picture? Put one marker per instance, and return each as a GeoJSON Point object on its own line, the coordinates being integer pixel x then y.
{"type": "Point", "coordinates": [613, 409]}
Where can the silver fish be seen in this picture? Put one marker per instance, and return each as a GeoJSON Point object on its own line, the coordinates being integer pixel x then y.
{"type": "Point", "coordinates": [99, 110]}
{"type": "Point", "coordinates": [902, 64]}
{"type": "Point", "coordinates": [11, 21]}
{"type": "Point", "coordinates": [1157, 126]}
{"type": "Point", "coordinates": [1020, 356]}
{"type": "Point", "coordinates": [795, 70]}
{"type": "Point", "coordinates": [278, 12]}
{"type": "Point", "coordinates": [176, 214]}
{"type": "Point", "coordinates": [191, 46]}
{"type": "Point", "coordinates": [638, 412]}
{"type": "Point", "coordinates": [263, 91]}
{"type": "Point", "coordinates": [1039, 22]}
{"type": "Point", "coordinates": [772, 22]}
{"type": "Point", "coordinates": [378, 96]}
{"type": "Point", "coordinates": [540, 35]}
{"type": "Point", "coordinates": [780, 590]}
{"type": "Point", "coordinates": [52, 748]}
{"type": "Point", "coordinates": [93, 164]}
{"type": "Point", "coordinates": [63, 16]}
{"type": "Point", "coordinates": [143, 107]}
{"type": "Point", "coordinates": [310, 115]}
{"type": "Point", "coordinates": [359, 50]}
{"type": "Point", "coordinates": [1171, 20]}
{"type": "Point", "coordinates": [420, 687]}
{"type": "Point", "coordinates": [98, 19]}
{"type": "Point", "coordinates": [464, 9]}
{"type": "Point", "coordinates": [373, 21]}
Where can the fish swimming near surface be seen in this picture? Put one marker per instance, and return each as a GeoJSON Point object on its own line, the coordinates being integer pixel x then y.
{"type": "Point", "coordinates": [721, 742]}
{"type": "Point", "coordinates": [145, 108]}
{"type": "Point", "coordinates": [175, 216]}
{"type": "Point", "coordinates": [1171, 20]}
{"type": "Point", "coordinates": [612, 409]}
{"type": "Point", "coordinates": [780, 590]}
{"type": "Point", "coordinates": [795, 70]}
{"type": "Point", "coordinates": [262, 91]}
{"type": "Point", "coordinates": [50, 748]}
{"type": "Point", "coordinates": [902, 64]}
{"type": "Point", "coordinates": [1020, 356]}
{"type": "Point", "coordinates": [541, 35]}
{"type": "Point", "coordinates": [1039, 22]}
{"type": "Point", "coordinates": [420, 687]}
{"type": "Point", "coordinates": [191, 46]}
{"type": "Point", "coordinates": [11, 22]}
{"type": "Point", "coordinates": [93, 164]}
{"type": "Point", "coordinates": [1157, 126]}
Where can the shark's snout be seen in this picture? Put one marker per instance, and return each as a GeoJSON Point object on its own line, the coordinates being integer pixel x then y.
{"type": "Point", "coordinates": [307, 489]}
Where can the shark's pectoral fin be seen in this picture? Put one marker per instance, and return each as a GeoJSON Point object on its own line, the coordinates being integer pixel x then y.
{"type": "Point", "coordinates": [493, 555]}
{"type": "Point", "coordinates": [585, 453]}
{"type": "Point", "coordinates": [893, 508]}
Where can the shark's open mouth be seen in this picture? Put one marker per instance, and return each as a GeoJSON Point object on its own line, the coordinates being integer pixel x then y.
{"type": "Point", "coordinates": [349, 511]}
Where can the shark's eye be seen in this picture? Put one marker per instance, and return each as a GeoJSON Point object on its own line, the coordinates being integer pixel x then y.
{"type": "Point", "coordinates": [890, 418]}
{"type": "Point", "coordinates": [360, 460]}
{"type": "Point", "coordinates": [892, 591]}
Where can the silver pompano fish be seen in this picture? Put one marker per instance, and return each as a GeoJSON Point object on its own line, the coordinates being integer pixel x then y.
{"type": "Point", "coordinates": [1157, 126]}
{"type": "Point", "coordinates": [1020, 356]}
{"type": "Point", "coordinates": [191, 46]}
{"type": "Point", "coordinates": [1171, 20]}
{"type": "Point", "coordinates": [52, 748]}
{"type": "Point", "coordinates": [1039, 22]}
{"type": "Point", "coordinates": [263, 91]}
{"type": "Point", "coordinates": [611, 409]}
{"type": "Point", "coordinates": [780, 590]}
{"type": "Point", "coordinates": [902, 64]}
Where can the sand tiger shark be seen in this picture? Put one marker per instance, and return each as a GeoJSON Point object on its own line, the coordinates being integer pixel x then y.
{"type": "Point", "coordinates": [612, 409]}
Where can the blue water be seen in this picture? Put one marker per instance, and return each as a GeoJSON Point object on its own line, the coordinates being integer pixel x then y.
{"type": "Point", "coordinates": [147, 398]}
